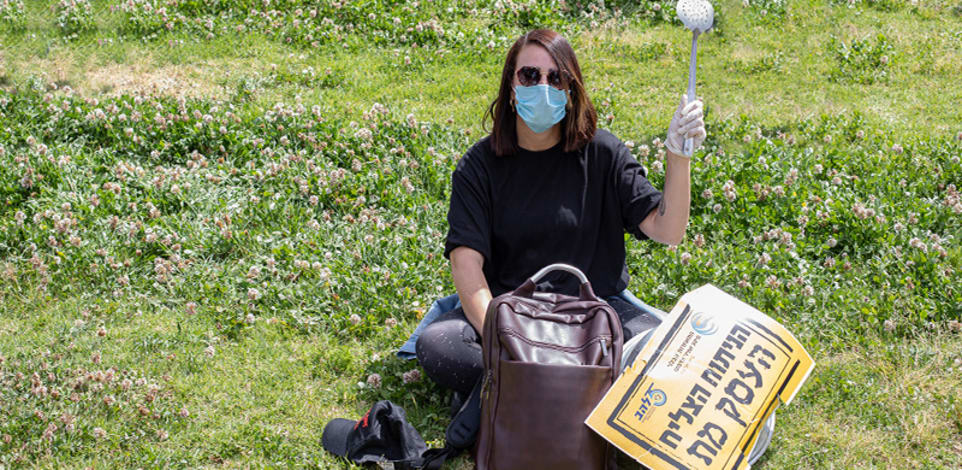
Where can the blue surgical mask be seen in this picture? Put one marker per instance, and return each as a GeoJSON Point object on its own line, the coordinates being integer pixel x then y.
{"type": "Point", "coordinates": [540, 106]}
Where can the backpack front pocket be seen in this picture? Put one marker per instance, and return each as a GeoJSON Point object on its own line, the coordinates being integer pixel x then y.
{"type": "Point", "coordinates": [541, 409]}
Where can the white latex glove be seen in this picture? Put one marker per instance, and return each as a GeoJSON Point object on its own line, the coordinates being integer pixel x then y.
{"type": "Point", "coordinates": [687, 122]}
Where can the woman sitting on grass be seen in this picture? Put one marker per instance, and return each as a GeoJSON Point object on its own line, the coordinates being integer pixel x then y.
{"type": "Point", "coordinates": [546, 186]}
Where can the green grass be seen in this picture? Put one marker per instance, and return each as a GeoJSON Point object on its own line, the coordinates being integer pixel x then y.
{"type": "Point", "coordinates": [262, 400]}
{"type": "Point", "coordinates": [248, 280]}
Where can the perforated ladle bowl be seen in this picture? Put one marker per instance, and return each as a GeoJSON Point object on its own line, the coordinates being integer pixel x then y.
{"type": "Point", "coordinates": [698, 16]}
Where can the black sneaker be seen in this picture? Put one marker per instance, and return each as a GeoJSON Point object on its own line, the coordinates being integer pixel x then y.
{"type": "Point", "coordinates": [464, 426]}
{"type": "Point", "coordinates": [457, 399]}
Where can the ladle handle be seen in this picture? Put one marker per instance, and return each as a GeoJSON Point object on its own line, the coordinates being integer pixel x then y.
{"type": "Point", "coordinates": [689, 142]}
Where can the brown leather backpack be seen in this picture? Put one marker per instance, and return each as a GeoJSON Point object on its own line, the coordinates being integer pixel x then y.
{"type": "Point", "coordinates": [548, 359]}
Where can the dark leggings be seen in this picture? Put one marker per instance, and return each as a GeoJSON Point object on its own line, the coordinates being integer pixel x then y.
{"type": "Point", "coordinates": [449, 349]}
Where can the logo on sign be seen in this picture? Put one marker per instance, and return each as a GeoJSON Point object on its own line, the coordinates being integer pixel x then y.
{"type": "Point", "coordinates": [653, 397]}
{"type": "Point", "coordinates": [657, 397]}
{"type": "Point", "coordinates": [704, 324]}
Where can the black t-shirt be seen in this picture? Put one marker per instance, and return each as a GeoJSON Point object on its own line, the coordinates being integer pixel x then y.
{"type": "Point", "coordinates": [526, 211]}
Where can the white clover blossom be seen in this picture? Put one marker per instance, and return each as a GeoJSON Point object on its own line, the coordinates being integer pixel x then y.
{"type": "Point", "coordinates": [411, 376]}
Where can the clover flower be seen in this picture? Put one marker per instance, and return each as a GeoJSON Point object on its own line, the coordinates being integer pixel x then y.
{"type": "Point", "coordinates": [699, 240]}
{"type": "Point", "coordinates": [406, 184]}
{"type": "Point", "coordinates": [889, 326]}
{"type": "Point", "coordinates": [916, 243]}
{"type": "Point", "coordinates": [48, 433]}
{"type": "Point", "coordinates": [354, 319]}
{"type": "Point", "coordinates": [374, 380]}
{"type": "Point", "coordinates": [729, 190]}
{"type": "Point", "coordinates": [364, 134]}
{"type": "Point", "coordinates": [411, 376]}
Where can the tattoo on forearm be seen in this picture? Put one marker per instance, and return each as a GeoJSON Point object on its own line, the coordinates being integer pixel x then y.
{"type": "Point", "coordinates": [661, 207]}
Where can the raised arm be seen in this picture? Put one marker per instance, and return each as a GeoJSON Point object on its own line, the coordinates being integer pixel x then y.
{"type": "Point", "coordinates": [668, 222]}
{"type": "Point", "coordinates": [472, 287]}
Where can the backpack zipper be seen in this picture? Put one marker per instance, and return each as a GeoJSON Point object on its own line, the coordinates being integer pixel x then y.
{"type": "Point", "coordinates": [485, 386]}
{"type": "Point", "coordinates": [601, 338]}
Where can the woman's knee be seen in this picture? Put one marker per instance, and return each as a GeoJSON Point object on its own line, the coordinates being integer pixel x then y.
{"type": "Point", "coordinates": [427, 345]}
{"type": "Point", "coordinates": [450, 353]}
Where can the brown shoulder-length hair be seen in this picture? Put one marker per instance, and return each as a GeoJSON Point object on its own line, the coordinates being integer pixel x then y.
{"type": "Point", "coordinates": [580, 121]}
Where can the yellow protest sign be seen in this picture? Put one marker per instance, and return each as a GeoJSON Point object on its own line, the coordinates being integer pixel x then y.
{"type": "Point", "coordinates": [700, 391]}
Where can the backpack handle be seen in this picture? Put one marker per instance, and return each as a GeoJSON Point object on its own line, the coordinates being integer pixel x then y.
{"type": "Point", "coordinates": [527, 289]}
{"type": "Point", "coordinates": [560, 267]}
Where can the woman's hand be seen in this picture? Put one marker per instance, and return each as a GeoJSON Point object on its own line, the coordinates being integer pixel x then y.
{"type": "Point", "coordinates": [687, 122]}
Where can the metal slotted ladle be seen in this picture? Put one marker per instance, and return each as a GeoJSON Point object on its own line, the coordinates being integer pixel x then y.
{"type": "Point", "coordinates": [698, 16]}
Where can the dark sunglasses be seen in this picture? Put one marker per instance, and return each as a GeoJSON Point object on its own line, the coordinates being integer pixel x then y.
{"type": "Point", "coordinates": [531, 76]}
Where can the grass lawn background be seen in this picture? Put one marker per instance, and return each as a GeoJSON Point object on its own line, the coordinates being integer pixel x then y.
{"type": "Point", "coordinates": [217, 223]}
